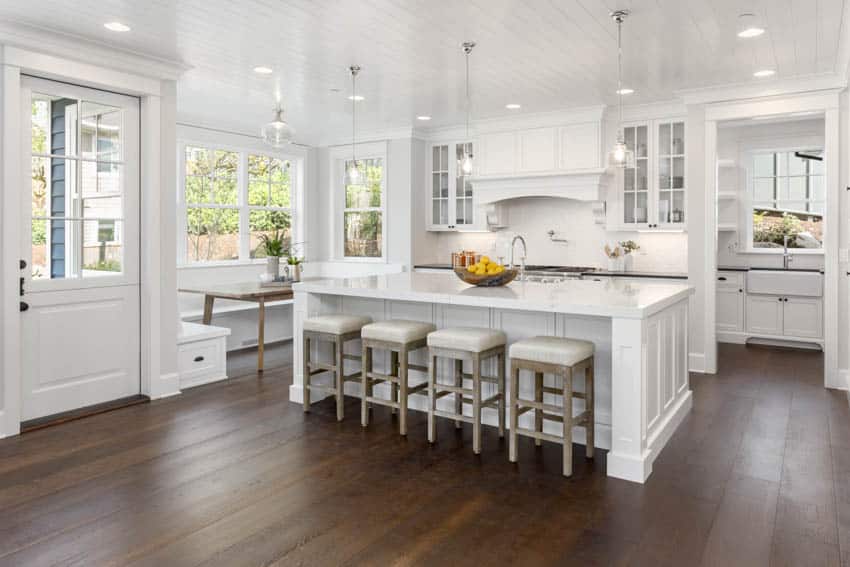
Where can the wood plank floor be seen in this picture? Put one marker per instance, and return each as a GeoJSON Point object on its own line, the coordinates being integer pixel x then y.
{"type": "Point", "coordinates": [233, 474]}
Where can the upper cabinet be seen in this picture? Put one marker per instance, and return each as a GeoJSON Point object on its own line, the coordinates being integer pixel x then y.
{"type": "Point", "coordinates": [652, 194]}
{"type": "Point", "coordinates": [497, 153]}
{"type": "Point", "coordinates": [452, 205]}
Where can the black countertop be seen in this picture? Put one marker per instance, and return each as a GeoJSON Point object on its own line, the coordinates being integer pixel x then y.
{"type": "Point", "coordinates": [602, 273]}
{"type": "Point", "coordinates": [745, 269]}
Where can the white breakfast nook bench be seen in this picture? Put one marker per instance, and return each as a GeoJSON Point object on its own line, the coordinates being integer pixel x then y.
{"type": "Point", "coordinates": [631, 347]}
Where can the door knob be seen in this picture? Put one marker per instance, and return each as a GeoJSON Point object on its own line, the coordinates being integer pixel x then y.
{"type": "Point", "coordinates": [23, 264]}
{"type": "Point", "coordinates": [24, 306]}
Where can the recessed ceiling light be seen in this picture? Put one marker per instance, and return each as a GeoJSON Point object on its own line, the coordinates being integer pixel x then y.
{"type": "Point", "coordinates": [358, 98]}
{"type": "Point", "coordinates": [749, 26]}
{"type": "Point", "coordinates": [625, 91]}
{"type": "Point", "coordinates": [116, 27]}
{"type": "Point", "coordinates": [261, 70]}
{"type": "Point", "coordinates": [423, 117]}
{"type": "Point", "coordinates": [513, 106]}
{"type": "Point", "coordinates": [764, 73]}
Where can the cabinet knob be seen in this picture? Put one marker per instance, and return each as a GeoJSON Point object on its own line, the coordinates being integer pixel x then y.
{"type": "Point", "coordinates": [199, 359]}
{"type": "Point", "coordinates": [721, 279]}
{"type": "Point", "coordinates": [740, 291]}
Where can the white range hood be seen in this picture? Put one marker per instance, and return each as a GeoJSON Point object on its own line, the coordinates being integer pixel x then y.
{"type": "Point", "coordinates": [583, 185]}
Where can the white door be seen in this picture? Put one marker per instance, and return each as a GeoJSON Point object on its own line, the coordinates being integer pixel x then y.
{"type": "Point", "coordinates": [764, 314]}
{"type": "Point", "coordinates": [730, 309]}
{"type": "Point", "coordinates": [803, 317]}
{"type": "Point", "coordinates": [80, 285]}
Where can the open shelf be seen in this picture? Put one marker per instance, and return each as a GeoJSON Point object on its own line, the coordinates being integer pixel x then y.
{"type": "Point", "coordinates": [726, 163]}
{"type": "Point", "coordinates": [727, 227]}
{"type": "Point", "coordinates": [728, 195]}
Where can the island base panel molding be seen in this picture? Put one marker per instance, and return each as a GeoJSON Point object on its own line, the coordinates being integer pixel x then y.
{"type": "Point", "coordinates": [641, 379]}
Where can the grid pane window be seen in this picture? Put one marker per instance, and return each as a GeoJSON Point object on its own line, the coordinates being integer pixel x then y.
{"type": "Point", "coordinates": [788, 199]}
{"type": "Point", "coordinates": [363, 213]}
{"type": "Point", "coordinates": [269, 202]}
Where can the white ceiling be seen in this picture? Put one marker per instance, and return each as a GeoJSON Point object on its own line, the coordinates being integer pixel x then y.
{"type": "Point", "coordinates": [544, 54]}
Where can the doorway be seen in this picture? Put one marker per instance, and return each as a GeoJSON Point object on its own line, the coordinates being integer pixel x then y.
{"type": "Point", "coordinates": [80, 284]}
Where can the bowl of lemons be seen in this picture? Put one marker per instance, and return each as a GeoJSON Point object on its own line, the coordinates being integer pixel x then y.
{"type": "Point", "coordinates": [486, 273]}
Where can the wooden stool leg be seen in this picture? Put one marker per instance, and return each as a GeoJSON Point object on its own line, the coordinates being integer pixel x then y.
{"type": "Point", "coordinates": [500, 373]}
{"type": "Point", "coordinates": [394, 372]}
{"type": "Point", "coordinates": [568, 421]}
{"type": "Point", "coordinates": [402, 394]}
{"type": "Point", "coordinates": [538, 413]}
{"type": "Point", "coordinates": [458, 364]}
{"type": "Point", "coordinates": [588, 400]}
{"type": "Point", "coordinates": [339, 364]}
{"type": "Point", "coordinates": [365, 384]}
{"type": "Point", "coordinates": [476, 404]}
{"type": "Point", "coordinates": [432, 397]}
{"type": "Point", "coordinates": [512, 451]}
{"type": "Point", "coordinates": [306, 370]}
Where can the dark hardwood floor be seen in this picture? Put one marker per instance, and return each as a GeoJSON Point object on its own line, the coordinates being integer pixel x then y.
{"type": "Point", "coordinates": [233, 474]}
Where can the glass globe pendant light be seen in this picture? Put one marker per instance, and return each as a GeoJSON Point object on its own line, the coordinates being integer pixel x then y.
{"type": "Point", "coordinates": [620, 155]}
{"type": "Point", "coordinates": [352, 173]}
{"type": "Point", "coordinates": [278, 132]}
{"type": "Point", "coordinates": [466, 164]}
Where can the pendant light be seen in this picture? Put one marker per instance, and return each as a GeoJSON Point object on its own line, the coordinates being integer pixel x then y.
{"type": "Point", "coordinates": [352, 174]}
{"type": "Point", "coordinates": [466, 163]}
{"type": "Point", "coordinates": [278, 132]}
{"type": "Point", "coordinates": [620, 155]}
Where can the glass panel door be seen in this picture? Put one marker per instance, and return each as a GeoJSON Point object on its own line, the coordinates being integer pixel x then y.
{"type": "Point", "coordinates": [463, 189]}
{"type": "Point", "coordinates": [440, 185]}
{"type": "Point", "coordinates": [636, 179]}
{"type": "Point", "coordinates": [671, 173]}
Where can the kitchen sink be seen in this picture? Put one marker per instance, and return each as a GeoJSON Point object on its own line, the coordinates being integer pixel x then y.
{"type": "Point", "coordinates": [785, 282]}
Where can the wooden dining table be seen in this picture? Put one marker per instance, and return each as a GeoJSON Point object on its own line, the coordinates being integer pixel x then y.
{"type": "Point", "coordinates": [243, 291]}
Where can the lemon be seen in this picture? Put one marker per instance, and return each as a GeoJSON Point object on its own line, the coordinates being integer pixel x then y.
{"type": "Point", "coordinates": [484, 260]}
{"type": "Point", "coordinates": [471, 268]}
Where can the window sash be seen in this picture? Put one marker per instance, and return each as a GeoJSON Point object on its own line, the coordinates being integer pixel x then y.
{"type": "Point", "coordinates": [376, 209]}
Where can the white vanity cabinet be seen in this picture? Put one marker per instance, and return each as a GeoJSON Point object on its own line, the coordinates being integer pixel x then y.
{"type": "Point", "coordinates": [652, 194]}
{"type": "Point", "coordinates": [452, 204]}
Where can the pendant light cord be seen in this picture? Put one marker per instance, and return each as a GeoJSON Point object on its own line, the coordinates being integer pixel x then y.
{"type": "Point", "coordinates": [620, 69]}
{"type": "Point", "coordinates": [353, 115]}
{"type": "Point", "coordinates": [467, 92]}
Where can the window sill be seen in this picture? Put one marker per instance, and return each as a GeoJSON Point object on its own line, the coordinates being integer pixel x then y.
{"type": "Point", "coordinates": [363, 260]}
{"type": "Point", "coordinates": [779, 252]}
{"type": "Point", "coordinates": [223, 264]}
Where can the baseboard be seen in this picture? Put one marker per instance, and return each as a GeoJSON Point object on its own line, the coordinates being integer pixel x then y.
{"type": "Point", "coordinates": [841, 381]}
{"type": "Point", "coordinates": [696, 362]}
{"type": "Point", "coordinates": [168, 385]}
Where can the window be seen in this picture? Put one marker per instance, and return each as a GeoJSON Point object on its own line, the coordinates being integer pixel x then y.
{"type": "Point", "coordinates": [788, 199]}
{"type": "Point", "coordinates": [231, 198]}
{"type": "Point", "coordinates": [363, 214]}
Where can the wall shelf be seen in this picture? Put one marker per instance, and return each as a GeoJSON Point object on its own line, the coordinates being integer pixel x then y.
{"type": "Point", "coordinates": [727, 227]}
{"type": "Point", "coordinates": [726, 163]}
{"type": "Point", "coordinates": [727, 195]}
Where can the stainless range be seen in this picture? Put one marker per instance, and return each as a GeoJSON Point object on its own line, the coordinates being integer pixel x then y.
{"type": "Point", "coordinates": [554, 274]}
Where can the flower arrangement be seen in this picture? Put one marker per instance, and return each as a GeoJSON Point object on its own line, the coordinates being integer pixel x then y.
{"type": "Point", "coordinates": [619, 255]}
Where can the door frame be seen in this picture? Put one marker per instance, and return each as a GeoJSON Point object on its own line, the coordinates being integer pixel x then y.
{"type": "Point", "coordinates": [157, 167]}
{"type": "Point", "coordinates": [826, 102]}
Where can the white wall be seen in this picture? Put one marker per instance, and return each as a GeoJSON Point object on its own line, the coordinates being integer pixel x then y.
{"type": "Point", "coordinates": [571, 220]}
{"type": "Point", "coordinates": [733, 143]}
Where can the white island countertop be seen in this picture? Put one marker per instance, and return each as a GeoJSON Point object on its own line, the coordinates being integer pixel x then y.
{"type": "Point", "coordinates": [612, 298]}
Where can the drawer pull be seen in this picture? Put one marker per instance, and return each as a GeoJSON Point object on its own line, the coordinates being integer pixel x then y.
{"type": "Point", "coordinates": [722, 278]}
{"type": "Point", "coordinates": [199, 359]}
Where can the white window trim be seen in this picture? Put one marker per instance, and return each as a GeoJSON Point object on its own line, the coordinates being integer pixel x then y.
{"type": "Point", "coordinates": [745, 156]}
{"type": "Point", "coordinates": [296, 199]}
{"type": "Point", "coordinates": [338, 156]}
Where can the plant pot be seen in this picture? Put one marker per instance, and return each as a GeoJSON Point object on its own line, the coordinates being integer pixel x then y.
{"type": "Point", "coordinates": [295, 272]}
{"type": "Point", "coordinates": [615, 264]}
{"type": "Point", "coordinates": [628, 262]}
{"type": "Point", "coordinates": [273, 266]}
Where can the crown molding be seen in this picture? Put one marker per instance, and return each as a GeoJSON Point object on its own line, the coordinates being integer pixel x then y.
{"type": "Point", "coordinates": [67, 46]}
{"type": "Point", "coordinates": [366, 136]}
{"type": "Point", "coordinates": [780, 87]}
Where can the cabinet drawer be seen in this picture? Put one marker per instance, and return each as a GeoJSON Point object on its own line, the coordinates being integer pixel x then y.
{"type": "Point", "coordinates": [730, 280]}
{"type": "Point", "coordinates": [201, 361]}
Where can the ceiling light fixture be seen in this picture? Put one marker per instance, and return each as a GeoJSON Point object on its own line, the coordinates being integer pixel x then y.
{"type": "Point", "coordinates": [356, 98]}
{"type": "Point", "coordinates": [513, 106]}
{"type": "Point", "coordinates": [261, 70]}
{"type": "Point", "coordinates": [116, 27]}
{"type": "Point", "coordinates": [466, 163]}
{"type": "Point", "coordinates": [352, 173]}
{"type": "Point", "coordinates": [625, 91]}
{"type": "Point", "coordinates": [277, 133]}
{"type": "Point", "coordinates": [749, 26]}
{"type": "Point", "coordinates": [423, 117]}
{"type": "Point", "coordinates": [620, 155]}
{"type": "Point", "coordinates": [761, 73]}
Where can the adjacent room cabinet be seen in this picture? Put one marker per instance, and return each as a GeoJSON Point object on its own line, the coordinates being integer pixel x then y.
{"type": "Point", "coordinates": [452, 201]}
{"type": "Point", "coordinates": [730, 302]}
{"type": "Point", "coordinates": [652, 194]}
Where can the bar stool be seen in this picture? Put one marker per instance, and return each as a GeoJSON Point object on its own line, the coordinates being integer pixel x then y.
{"type": "Point", "coordinates": [476, 345]}
{"type": "Point", "coordinates": [336, 329]}
{"type": "Point", "coordinates": [562, 357]}
{"type": "Point", "coordinates": [400, 338]}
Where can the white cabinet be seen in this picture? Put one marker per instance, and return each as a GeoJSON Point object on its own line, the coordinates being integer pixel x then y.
{"type": "Point", "coordinates": [579, 146]}
{"type": "Point", "coordinates": [452, 204]}
{"type": "Point", "coordinates": [764, 314]}
{"type": "Point", "coordinates": [201, 354]}
{"type": "Point", "coordinates": [803, 317]}
{"type": "Point", "coordinates": [537, 150]}
{"type": "Point", "coordinates": [497, 154]}
{"type": "Point", "coordinates": [730, 302]}
{"type": "Point", "coordinates": [652, 194]}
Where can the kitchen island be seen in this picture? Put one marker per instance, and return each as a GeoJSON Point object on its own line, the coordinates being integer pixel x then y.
{"type": "Point", "coordinates": [640, 331]}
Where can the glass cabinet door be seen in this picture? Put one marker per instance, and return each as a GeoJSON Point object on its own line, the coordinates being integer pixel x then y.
{"type": "Point", "coordinates": [636, 179]}
{"type": "Point", "coordinates": [440, 185]}
{"type": "Point", "coordinates": [463, 189]}
{"type": "Point", "coordinates": [671, 173]}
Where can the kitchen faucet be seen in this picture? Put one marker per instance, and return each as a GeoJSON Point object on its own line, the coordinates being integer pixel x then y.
{"type": "Point", "coordinates": [521, 258]}
{"type": "Point", "coordinates": [786, 256]}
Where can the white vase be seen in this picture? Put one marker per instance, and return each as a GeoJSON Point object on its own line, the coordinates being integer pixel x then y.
{"type": "Point", "coordinates": [628, 263]}
{"type": "Point", "coordinates": [273, 266]}
{"type": "Point", "coordinates": [615, 264]}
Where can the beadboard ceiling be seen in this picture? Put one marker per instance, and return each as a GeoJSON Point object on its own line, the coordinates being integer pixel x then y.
{"type": "Point", "coordinates": [543, 54]}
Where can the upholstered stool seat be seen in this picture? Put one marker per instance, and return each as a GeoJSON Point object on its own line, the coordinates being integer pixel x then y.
{"type": "Point", "coordinates": [562, 357]}
{"type": "Point", "coordinates": [336, 324]}
{"type": "Point", "coordinates": [475, 345]}
{"type": "Point", "coordinates": [400, 337]}
{"type": "Point", "coordinates": [336, 329]}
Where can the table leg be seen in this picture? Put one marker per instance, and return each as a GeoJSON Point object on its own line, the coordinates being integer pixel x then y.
{"type": "Point", "coordinates": [208, 307]}
{"type": "Point", "coordinates": [261, 332]}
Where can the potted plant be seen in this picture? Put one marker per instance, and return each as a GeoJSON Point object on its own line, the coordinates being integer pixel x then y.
{"type": "Point", "coordinates": [628, 247]}
{"type": "Point", "coordinates": [294, 263]}
{"type": "Point", "coordinates": [272, 246]}
{"type": "Point", "coordinates": [615, 258]}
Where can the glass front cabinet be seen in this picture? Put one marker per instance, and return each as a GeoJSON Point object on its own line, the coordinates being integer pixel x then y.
{"type": "Point", "coordinates": [452, 206]}
{"type": "Point", "coordinates": [652, 194]}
